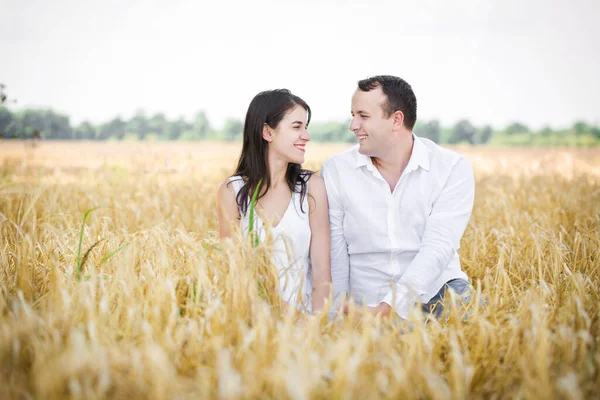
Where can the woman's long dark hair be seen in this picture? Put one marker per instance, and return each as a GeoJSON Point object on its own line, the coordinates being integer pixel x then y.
{"type": "Point", "coordinates": [268, 107]}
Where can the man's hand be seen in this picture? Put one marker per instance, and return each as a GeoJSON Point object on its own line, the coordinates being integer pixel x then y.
{"type": "Point", "coordinates": [383, 308]}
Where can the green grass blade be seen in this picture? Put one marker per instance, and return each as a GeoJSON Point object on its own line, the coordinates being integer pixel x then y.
{"type": "Point", "coordinates": [111, 254]}
{"type": "Point", "coordinates": [85, 216]}
{"type": "Point", "coordinates": [87, 253]}
{"type": "Point", "coordinates": [251, 233]}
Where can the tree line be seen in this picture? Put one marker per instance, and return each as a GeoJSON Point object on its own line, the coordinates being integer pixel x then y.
{"type": "Point", "coordinates": [50, 125]}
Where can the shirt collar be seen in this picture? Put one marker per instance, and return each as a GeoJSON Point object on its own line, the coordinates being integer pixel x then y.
{"type": "Point", "coordinates": [418, 158]}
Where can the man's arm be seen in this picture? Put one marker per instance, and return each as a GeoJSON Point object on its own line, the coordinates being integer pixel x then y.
{"type": "Point", "coordinates": [443, 230]}
{"type": "Point", "coordinates": [340, 263]}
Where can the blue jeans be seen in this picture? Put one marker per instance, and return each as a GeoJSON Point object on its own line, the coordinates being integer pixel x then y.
{"type": "Point", "coordinates": [435, 306]}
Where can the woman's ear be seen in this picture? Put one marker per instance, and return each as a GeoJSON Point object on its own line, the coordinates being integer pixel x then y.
{"type": "Point", "coordinates": [267, 133]}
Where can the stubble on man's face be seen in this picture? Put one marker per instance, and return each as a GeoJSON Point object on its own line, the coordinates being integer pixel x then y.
{"type": "Point", "coordinates": [369, 122]}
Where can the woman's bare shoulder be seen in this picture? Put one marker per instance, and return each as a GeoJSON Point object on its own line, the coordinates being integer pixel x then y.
{"type": "Point", "coordinates": [316, 184]}
{"type": "Point", "coordinates": [226, 191]}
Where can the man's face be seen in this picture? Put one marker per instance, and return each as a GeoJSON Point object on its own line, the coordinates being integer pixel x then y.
{"type": "Point", "coordinates": [369, 122]}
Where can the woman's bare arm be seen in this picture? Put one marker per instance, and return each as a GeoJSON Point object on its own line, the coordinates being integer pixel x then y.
{"type": "Point", "coordinates": [227, 209]}
{"type": "Point", "coordinates": [319, 242]}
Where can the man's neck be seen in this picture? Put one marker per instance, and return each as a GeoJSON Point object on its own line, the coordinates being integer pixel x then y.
{"type": "Point", "coordinates": [396, 157]}
{"type": "Point", "coordinates": [392, 163]}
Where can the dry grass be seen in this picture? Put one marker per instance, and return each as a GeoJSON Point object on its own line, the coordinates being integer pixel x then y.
{"type": "Point", "coordinates": [173, 315]}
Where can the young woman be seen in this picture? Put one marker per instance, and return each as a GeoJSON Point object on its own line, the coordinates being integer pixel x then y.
{"type": "Point", "coordinates": [291, 200]}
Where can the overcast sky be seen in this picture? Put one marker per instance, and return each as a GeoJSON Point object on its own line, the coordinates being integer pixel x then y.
{"type": "Point", "coordinates": [494, 62]}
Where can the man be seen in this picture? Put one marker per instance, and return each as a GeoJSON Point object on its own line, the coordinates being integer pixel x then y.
{"type": "Point", "coordinates": [398, 206]}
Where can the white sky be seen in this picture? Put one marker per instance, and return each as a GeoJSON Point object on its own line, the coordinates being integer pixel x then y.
{"type": "Point", "coordinates": [494, 62]}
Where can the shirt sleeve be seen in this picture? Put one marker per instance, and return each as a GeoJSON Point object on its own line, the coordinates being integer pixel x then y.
{"type": "Point", "coordinates": [443, 230]}
{"type": "Point", "coordinates": [340, 263]}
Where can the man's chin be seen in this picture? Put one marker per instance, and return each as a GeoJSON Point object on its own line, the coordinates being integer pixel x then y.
{"type": "Point", "coordinates": [362, 149]}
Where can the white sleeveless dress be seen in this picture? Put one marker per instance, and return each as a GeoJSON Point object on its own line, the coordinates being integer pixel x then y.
{"type": "Point", "coordinates": [291, 250]}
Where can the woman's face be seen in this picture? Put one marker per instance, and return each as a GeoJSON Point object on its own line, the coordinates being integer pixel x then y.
{"type": "Point", "coordinates": [288, 140]}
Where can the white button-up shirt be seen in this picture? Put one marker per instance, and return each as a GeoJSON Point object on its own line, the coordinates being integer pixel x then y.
{"type": "Point", "coordinates": [396, 247]}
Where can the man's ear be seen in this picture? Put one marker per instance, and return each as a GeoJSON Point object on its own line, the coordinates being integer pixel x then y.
{"type": "Point", "coordinates": [398, 118]}
{"type": "Point", "coordinates": [267, 133]}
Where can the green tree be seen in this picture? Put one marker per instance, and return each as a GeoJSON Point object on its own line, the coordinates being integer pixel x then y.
{"type": "Point", "coordinates": [138, 125]}
{"type": "Point", "coordinates": [485, 134]}
{"type": "Point", "coordinates": [331, 131]}
{"type": "Point", "coordinates": [201, 127]}
{"type": "Point", "coordinates": [49, 124]}
{"type": "Point", "coordinates": [85, 131]}
{"type": "Point", "coordinates": [115, 129]}
{"type": "Point", "coordinates": [516, 128]}
{"type": "Point", "coordinates": [158, 125]}
{"type": "Point", "coordinates": [30, 120]}
{"type": "Point", "coordinates": [430, 130]}
{"type": "Point", "coordinates": [463, 131]}
{"type": "Point", "coordinates": [176, 128]}
{"type": "Point", "coordinates": [6, 120]}
{"type": "Point", "coordinates": [233, 129]}
{"type": "Point", "coordinates": [581, 128]}
{"type": "Point", "coordinates": [546, 131]}
{"type": "Point", "coordinates": [60, 126]}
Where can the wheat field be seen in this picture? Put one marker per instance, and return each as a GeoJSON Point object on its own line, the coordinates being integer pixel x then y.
{"type": "Point", "coordinates": [142, 301]}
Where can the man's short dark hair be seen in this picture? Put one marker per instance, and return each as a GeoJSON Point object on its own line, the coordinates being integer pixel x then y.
{"type": "Point", "coordinates": [400, 96]}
